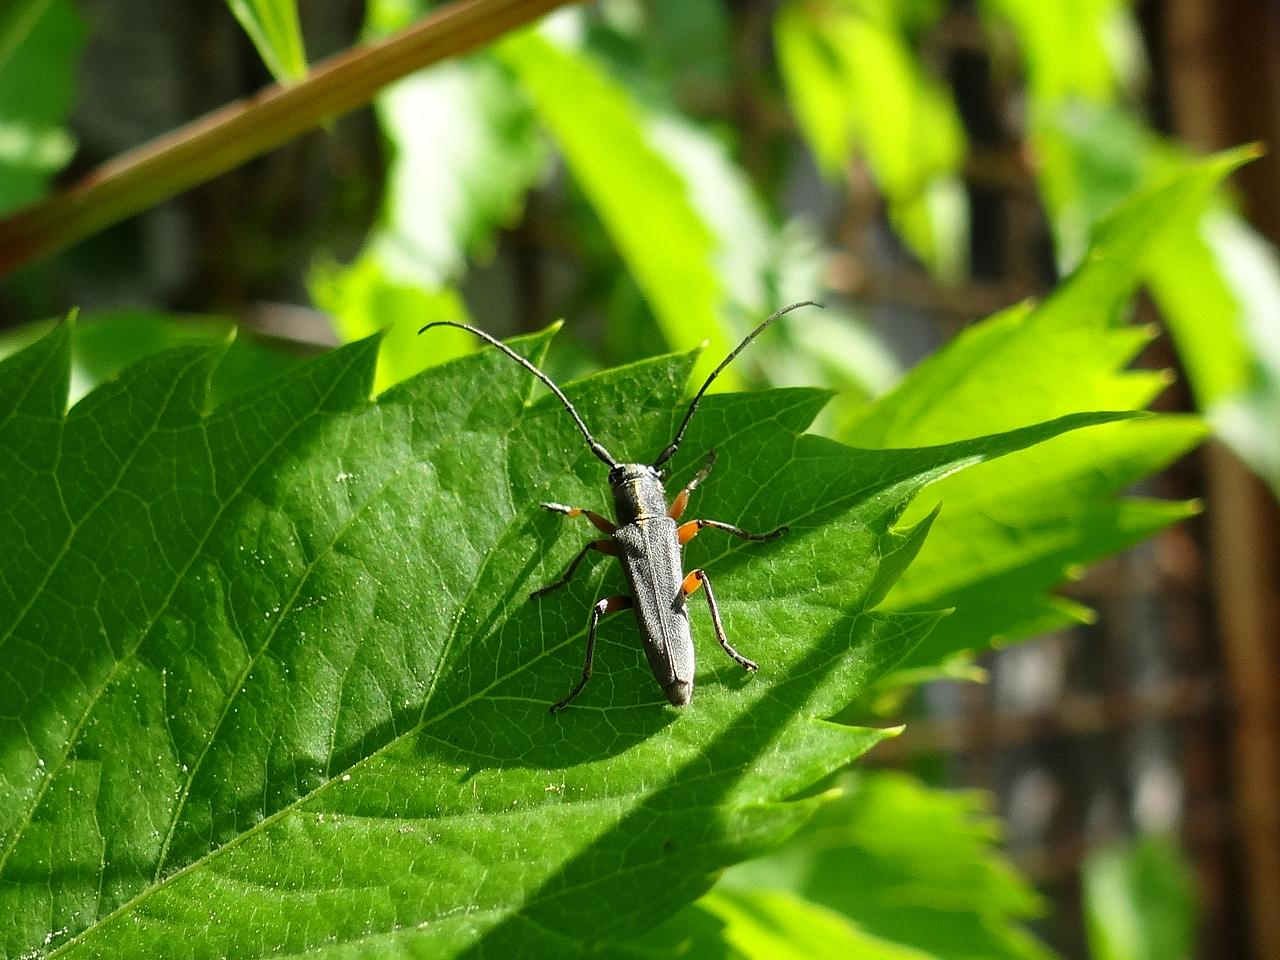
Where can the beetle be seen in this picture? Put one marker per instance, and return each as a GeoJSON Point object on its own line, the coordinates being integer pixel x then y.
{"type": "Point", "coordinates": [646, 537]}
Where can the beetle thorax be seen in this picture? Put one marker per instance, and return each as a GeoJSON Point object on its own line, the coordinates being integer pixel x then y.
{"type": "Point", "coordinates": [638, 493]}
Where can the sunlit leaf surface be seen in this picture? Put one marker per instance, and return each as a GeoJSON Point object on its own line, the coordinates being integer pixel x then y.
{"type": "Point", "coordinates": [272, 681]}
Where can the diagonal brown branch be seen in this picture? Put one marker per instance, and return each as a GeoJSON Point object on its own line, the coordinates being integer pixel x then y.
{"type": "Point", "coordinates": [240, 131]}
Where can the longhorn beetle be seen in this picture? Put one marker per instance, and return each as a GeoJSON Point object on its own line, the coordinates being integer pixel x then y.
{"type": "Point", "coordinates": [646, 539]}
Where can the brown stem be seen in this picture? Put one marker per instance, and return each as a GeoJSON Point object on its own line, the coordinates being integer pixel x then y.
{"type": "Point", "coordinates": [240, 131]}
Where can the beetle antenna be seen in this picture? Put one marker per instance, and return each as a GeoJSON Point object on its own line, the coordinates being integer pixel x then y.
{"type": "Point", "coordinates": [596, 447]}
{"type": "Point", "coordinates": [674, 445]}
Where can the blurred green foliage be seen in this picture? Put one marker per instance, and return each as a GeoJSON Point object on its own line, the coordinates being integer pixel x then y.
{"type": "Point", "coordinates": [912, 871]}
{"type": "Point", "coordinates": [274, 28]}
{"type": "Point", "coordinates": [856, 82]}
{"type": "Point", "coordinates": [39, 46]}
{"type": "Point", "coordinates": [1140, 901]}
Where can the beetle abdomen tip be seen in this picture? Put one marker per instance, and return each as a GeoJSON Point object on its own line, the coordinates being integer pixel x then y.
{"type": "Point", "coordinates": [679, 693]}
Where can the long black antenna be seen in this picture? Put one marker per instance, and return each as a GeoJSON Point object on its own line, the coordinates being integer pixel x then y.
{"type": "Point", "coordinates": [596, 447]}
{"type": "Point", "coordinates": [674, 445]}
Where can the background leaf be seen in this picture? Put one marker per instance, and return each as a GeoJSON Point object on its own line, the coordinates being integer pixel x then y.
{"type": "Point", "coordinates": [273, 27]}
{"type": "Point", "coordinates": [465, 152]}
{"type": "Point", "coordinates": [1139, 901]}
{"type": "Point", "coordinates": [37, 83]}
{"type": "Point", "coordinates": [889, 869]}
{"type": "Point", "coordinates": [642, 202]}
{"type": "Point", "coordinates": [271, 669]}
{"type": "Point", "coordinates": [1218, 284]}
{"type": "Point", "coordinates": [1000, 543]}
{"type": "Point", "coordinates": [16, 20]}
{"type": "Point", "coordinates": [759, 924]}
{"type": "Point", "coordinates": [855, 84]}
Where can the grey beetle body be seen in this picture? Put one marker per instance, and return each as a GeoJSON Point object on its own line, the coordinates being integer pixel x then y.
{"type": "Point", "coordinates": [649, 551]}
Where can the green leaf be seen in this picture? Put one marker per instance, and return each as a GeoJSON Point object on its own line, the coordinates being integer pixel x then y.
{"type": "Point", "coordinates": [16, 20]}
{"type": "Point", "coordinates": [465, 151]}
{"type": "Point", "coordinates": [1218, 288]}
{"type": "Point", "coordinates": [273, 27]}
{"type": "Point", "coordinates": [855, 82]}
{"type": "Point", "coordinates": [899, 869]}
{"type": "Point", "coordinates": [1000, 544]}
{"type": "Point", "coordinates": [1085, 49]}
{"type": "Point", "coordinates": [776, 925]}
{"type": "Point", "coordinates": [641, 200]}
{"type": "Point", "coordinates": [105, 343]}
{"type": "Point", "coordinates": [37, 87]}
{"type": "Point", "coordinates": [1217, 284]}
{"type": "Point", "coordinates": [272, 679]}
{"type": "Point", "coordinates": [1140, 902]}
{"type": "Point", "coordinates": [364, 300]}
{"type": "Point", "coordinates": [1216, 280]}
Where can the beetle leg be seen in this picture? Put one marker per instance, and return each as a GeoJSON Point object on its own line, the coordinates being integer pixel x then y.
{"type": "Point", "coordinates": [607, 605]}
{"type": "Point", "coordinates": [603, 524]}
{"type": "Point", "coordinates": [682, 498]}
{"type": "Point", "coordinates": [604, 546]}
{"type": "Point", "coordinates": [688, 531]}
{"type": "Point", "coordinates": [699, 578]}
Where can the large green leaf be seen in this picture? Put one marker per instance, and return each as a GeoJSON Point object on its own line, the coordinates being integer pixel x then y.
{"type": "Point", "coordinates": [1001, 543]}
{"type": "Point", "coordinates": [37, 85]}
{"type": "Point", "coordinates": [273, 27]}
{"type": "Point", "coordinates": [272, 682]}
